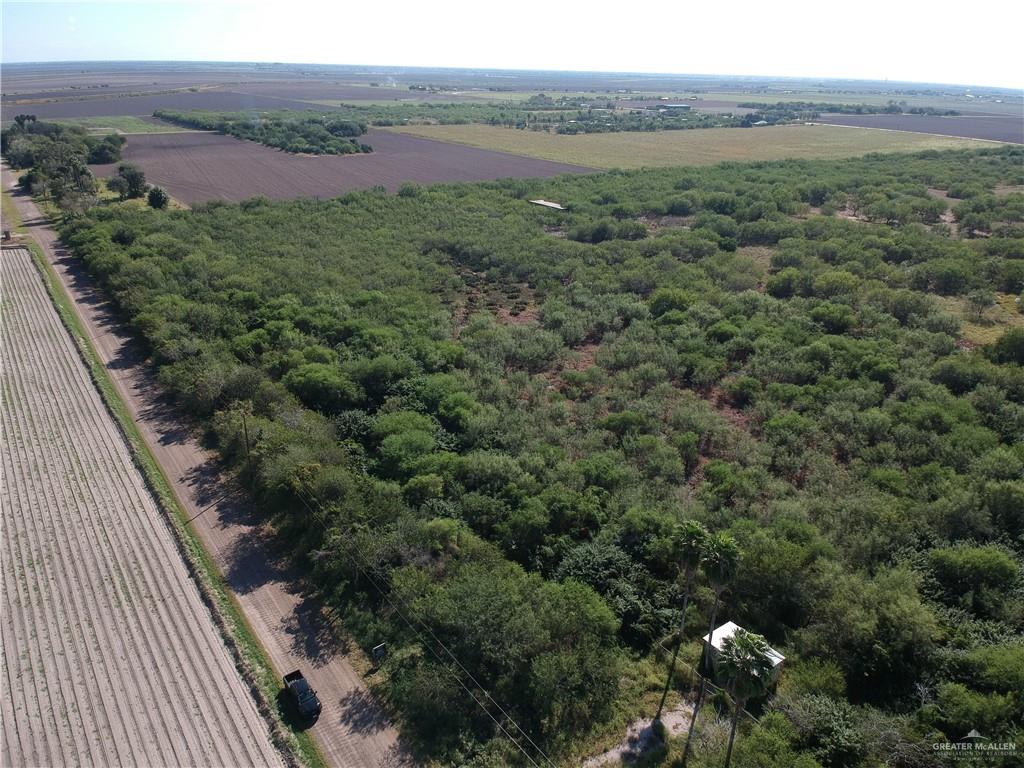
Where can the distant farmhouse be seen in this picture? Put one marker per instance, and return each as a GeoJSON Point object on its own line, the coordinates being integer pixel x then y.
{"type": "Point", "coordinates": [671, 110]}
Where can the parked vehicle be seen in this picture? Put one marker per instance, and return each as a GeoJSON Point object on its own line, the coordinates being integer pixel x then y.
{"type": "Point", "coordinates": [302, 695]}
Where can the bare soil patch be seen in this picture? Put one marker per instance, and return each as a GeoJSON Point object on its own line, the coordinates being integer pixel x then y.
{"type": "Point", "coordinates": [583, 357]}
{"type": "Point", "coordinates": [946, 217]}
{"type": "Point", "coordinates": [720, 402]}
{"type": "Point", "coordinates": [641, 738]}
{"type": "Point", "coordinates": [526, 316]}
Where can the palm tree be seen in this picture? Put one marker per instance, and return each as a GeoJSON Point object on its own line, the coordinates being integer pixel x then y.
{"type": "Point", "coordinates": [745, 666]}
{"type": "Point", "coordinates": [721, 560]}
{"type": "Point", "coordinates": [690, 538]}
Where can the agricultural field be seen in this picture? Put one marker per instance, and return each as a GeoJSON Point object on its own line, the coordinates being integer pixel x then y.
{"type": "Point", "coordinates": [988, 104]}
{"type": "Point", "coordinates": [109, 654]}
{"type": "Point", "coordinates": [120, 124]}
{"type": "Point", "coordinates": [1003, 128]}
{"type": "Point", "coordinates": [195, 167]}
{"type": "Point", "coordinates": [697, 147]}
{"type": "Point", "coordinates": [334, 92]}
{"type": "Point", "coordinates": [146, 104]}
{"type": "Point", "coordinates": [73, 80]}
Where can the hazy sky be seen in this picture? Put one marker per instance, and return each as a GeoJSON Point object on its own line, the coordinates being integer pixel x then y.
{"type": "Point", "coordinates": [975, 43]}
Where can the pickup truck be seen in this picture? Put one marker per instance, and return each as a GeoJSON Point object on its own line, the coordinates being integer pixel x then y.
{"type": "Point", "coordinates": [302, 694]}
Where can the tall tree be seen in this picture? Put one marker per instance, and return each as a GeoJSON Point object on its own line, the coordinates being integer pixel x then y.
{"type": "Point", "coordinates": [134, 178]}
{"type": "Point", "coordinates": [691, 538]}
{"type": "Point", "coordinates": [745, 666]}
{"type": "Point", "coordinates": [721, 561]}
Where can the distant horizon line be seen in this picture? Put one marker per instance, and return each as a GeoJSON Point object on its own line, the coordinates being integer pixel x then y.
{"type": "Point", "coordinates": [706, 75]}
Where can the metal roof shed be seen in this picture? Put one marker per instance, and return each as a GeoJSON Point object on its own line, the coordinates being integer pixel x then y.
{"type": "Point", "coordinates": [727, 630]}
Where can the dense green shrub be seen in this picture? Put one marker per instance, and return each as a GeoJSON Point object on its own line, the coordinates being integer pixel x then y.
{"type": "Point", "coordinates": [501, 426]}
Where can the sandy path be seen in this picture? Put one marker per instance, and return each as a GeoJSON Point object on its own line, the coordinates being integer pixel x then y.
{"type": "Point", "coordinates": [103, 630]}
{"type": "Point", "coordinates": [352, 732]}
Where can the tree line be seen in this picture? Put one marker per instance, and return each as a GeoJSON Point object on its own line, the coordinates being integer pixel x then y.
{"type": "Point", "coordinates": [299, 132]}
{"type": "Point", "coordinates": [56, 159]}
{"type": "Point", "coordinates": [810, 110]}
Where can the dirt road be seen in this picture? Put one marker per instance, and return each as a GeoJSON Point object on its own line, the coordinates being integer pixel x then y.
{"type": "Point", "coordinates": [352, 732]}
{"type": "Point", "coordinates": [110, 656]}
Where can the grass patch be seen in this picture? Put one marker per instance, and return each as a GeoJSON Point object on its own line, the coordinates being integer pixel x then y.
{"type": "Point", "coordinates": [12, 219]}
{"type": "Point", "coordinates": [706, 146]}
{"type": "Point", "coordinates": [105, 196]}
{"type": "Point", "coordinates": [994, 321]}
{"type": "Point", "coordinates": [250, 656]}
{"type": "Point", "coordinates": [120, 124]}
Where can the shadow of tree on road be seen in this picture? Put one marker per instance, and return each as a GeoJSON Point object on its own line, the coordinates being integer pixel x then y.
{"type": "Point", "coordinates": [312, 637]}
{"type": "Point", "coordinates": [361, 712]}
{"type": "Point", "coordinates": [248, 565]}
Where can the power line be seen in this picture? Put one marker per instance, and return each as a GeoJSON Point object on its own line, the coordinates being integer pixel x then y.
{"type": "Point", "coordinates": [365, 569]}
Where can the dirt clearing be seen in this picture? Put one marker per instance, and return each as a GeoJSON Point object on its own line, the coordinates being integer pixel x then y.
{"type": "Point", "coordinates": [109, 655]}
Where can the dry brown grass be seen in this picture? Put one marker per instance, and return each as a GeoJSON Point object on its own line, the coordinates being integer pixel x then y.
{"type": "Point", "coordinates": [1003, 315]}
{"type": "Point", "coordinates": [697, 147]}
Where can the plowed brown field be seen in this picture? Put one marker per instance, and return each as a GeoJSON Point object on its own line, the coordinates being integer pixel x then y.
{"type": "Point", "coordinates": [109, 654]}
{"type": "Point", "coordinates": [1007, 128]}
{"type": "Point", "coordinates": [195, 167]}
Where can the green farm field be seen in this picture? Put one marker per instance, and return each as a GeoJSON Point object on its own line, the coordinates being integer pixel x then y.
{"type": "Point", "coordinates": [698, 147]}
{"type": "Point", "coordinates": [119, 124]}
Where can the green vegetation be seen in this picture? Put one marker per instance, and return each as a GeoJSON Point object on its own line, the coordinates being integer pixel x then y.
{"type": "Point", "coordinates": [310, 132]}
{"type": "Point", "coordinates": [158, 197]}
{"type": "Point", "coordinates": [808, 110]}
{"type": "Point", "coordinates": [663, 149]}
{"type": "Point", "coordinates": [745, 665]}
{"type": "Point", "coordinates": [562, 115]}
{"type": "Point", "coordinates": [57, 159]}
{"type": "Point", "coordinates": [129, 183]}
{"type": "Point", "coordinates": [538, 112]}
{"type": "Point", "coordinates": [119, 124]}
{"type": "Point", "coordinates": [479, 424]}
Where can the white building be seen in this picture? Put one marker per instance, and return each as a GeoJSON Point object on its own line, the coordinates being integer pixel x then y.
{"type": "Point", "coordinates": [727, 630]}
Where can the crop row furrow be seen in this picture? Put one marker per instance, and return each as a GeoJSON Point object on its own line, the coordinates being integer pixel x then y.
{"type": "Point", "coordinates": [132, 581]}
{"type": "Point", "coordinates": [25, 650]}
{"type": "Point", "coordinates": [80, 579]}
{"type": "Point", "coordinates": [117, 527]}
{"type": "Point", "coordinates": [108, 634]}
